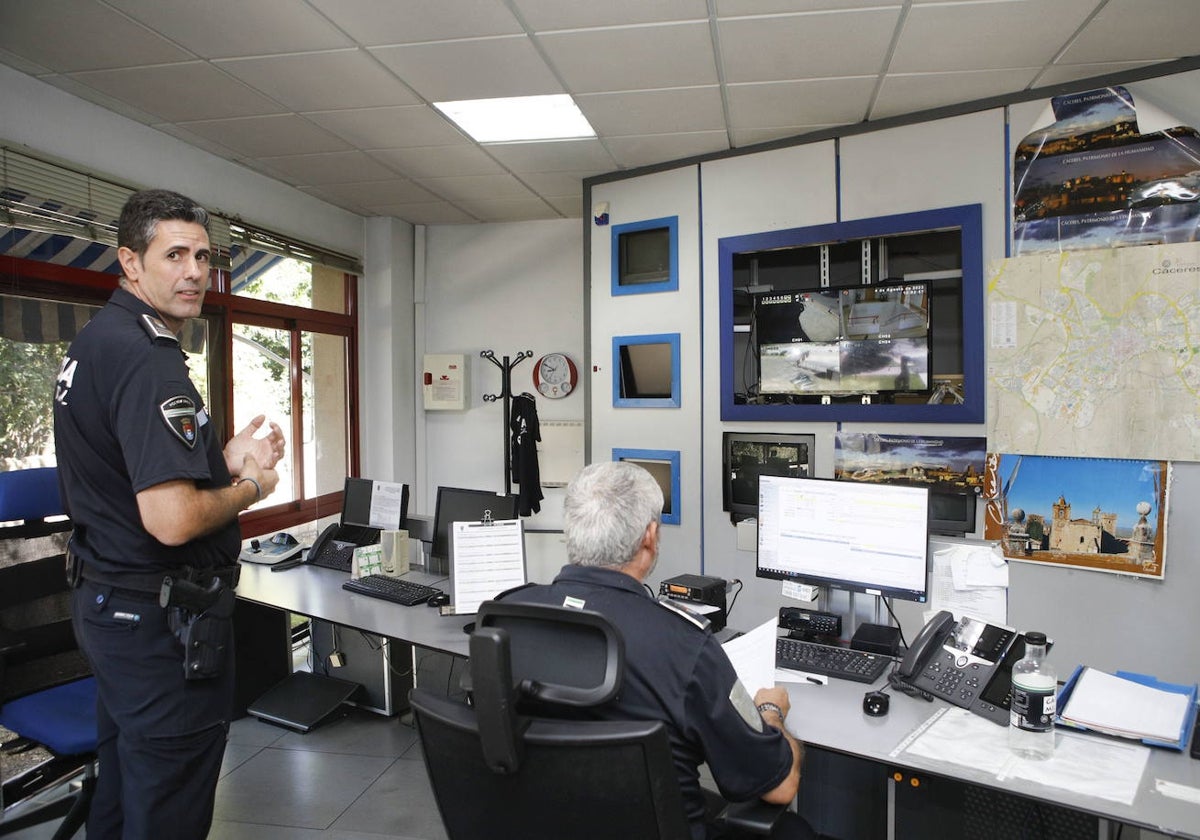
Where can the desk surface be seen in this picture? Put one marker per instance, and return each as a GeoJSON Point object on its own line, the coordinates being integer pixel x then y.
{"type": "Point", "coordinates": [831, 716]}
{"type": "Point", "coordinates": [317, 592]}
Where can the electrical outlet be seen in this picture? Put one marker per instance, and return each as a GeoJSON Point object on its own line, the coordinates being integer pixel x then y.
{"type": "Point", "coordinates": [336, 659]}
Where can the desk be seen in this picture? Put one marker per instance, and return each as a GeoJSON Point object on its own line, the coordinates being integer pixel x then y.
{"type": "Point", "coordinates": [830, 717]}
{"type": "Point", "coordinates": [263, 637]}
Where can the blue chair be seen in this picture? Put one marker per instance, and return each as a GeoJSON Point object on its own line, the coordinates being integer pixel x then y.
{"type": "Point", "coordinates": [47, 696]}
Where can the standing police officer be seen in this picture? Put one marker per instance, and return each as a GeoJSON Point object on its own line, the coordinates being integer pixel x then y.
{"type": "Point", "coordinates": [675, 671]}
{"type": "Point", "coordinates": [154, 500]}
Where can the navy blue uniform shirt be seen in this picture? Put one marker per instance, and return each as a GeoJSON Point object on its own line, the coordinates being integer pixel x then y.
{"type": "Point", "coordinates": [677, 673]}
{"type": "Point", "coordinates": [127, 417]}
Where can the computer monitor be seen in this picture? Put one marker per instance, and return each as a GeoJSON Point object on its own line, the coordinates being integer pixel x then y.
{"type": "Point", "coordinates": [455, 504]}
{"type": "Point", "coordinates": [375, 504]}
{"type": "Point", "coordinates": [871, 538]}
{"type": "Point", "coordinates": [748, 455]}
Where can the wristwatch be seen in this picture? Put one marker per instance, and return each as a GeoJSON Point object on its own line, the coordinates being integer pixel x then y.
{"type": "Point", "coordinates": [770, 707]}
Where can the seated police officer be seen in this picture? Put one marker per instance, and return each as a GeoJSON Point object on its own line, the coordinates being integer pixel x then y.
{"type": "Point", "coordinates": [675, 671]}
{"type": "Point", "coordinates": [154, 499]}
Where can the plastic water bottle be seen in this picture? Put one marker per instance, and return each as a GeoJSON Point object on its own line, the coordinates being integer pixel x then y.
{"type": "Point", "coordinates": [1031, 729]}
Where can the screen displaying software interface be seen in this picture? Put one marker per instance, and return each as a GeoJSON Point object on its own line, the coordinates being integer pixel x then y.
{"type": "Point", "coordinates": [867, 537]}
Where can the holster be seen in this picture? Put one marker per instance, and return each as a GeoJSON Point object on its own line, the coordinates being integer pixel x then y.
{"type": "Point", "coordinates": [202, 620]}
{"type": "Point", "coordinates": [74, 569]}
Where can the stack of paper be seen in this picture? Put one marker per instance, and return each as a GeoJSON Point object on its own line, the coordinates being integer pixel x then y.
{"type": "Point", "coordinates": [1118, 706]}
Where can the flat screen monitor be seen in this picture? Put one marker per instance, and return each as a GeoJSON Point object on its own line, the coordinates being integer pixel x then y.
{"type": "Point", "coordinates": [454, 504]}
{"type": "Point", "coordinates": [853, 340]}
{"type": "Point", "coordinates": [375, 504]}
{"type": "Point", "coordinates": [645, 256]}
{"type": "Point", "coordinates": [871, 538]}
{"type": "Point", "coordinates": [748, 455]}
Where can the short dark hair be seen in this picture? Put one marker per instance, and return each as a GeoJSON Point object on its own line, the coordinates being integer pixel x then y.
{"type": "Point", "coordinates": [145, 209]}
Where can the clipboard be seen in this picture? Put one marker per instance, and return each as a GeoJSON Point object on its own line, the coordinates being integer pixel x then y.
{"type": "Point", "coordinates": [486, 558]}
{"type": "Point", "coordinates": [1189, 717]}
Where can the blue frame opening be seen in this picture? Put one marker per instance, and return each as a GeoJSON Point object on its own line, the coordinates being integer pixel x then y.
{"type": "Point", "coordinates": [671, 283]}
{"type": "Point", "coordinates": [621, 401]}
{"type": "Point", "coordinates": [652, 459]}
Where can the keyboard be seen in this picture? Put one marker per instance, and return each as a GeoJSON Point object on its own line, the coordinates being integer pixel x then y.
{"type": "Point", "coordinates": [841, 663]}
{"type": "Point", "coordinates": [392, 589]}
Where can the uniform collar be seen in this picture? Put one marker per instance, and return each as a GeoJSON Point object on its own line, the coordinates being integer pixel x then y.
{"type": "Point", "coordinates": [128, 300]}
{"type": "Point", "coordinates": [600, 576]}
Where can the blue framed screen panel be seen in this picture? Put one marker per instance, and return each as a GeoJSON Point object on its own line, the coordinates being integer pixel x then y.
{"type": "Point", "coordinates": [645, 256]}
{"type": "Point", "coordinates": [645, 371]}
{"type": "Point", "coordinates": [967, 219]}
{"type": "Point", "coordinates": [663, 464]}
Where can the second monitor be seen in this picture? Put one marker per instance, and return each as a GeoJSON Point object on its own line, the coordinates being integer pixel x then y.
{"type": "Point", "coordinates": [456, 504]}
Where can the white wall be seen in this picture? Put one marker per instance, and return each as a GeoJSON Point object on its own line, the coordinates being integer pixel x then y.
{"type": "Point", "coordinates": [52, 122]}
{"type": "Point", "coordinates": [504, 288]}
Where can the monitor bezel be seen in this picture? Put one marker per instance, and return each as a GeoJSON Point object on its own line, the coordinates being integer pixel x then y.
{"type": "Point", "coordinates": [739, 510]}
{"type": "Point", "coordinates": [440, 545]}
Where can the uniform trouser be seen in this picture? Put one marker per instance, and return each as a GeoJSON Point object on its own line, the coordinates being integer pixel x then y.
{"type": "Point", "coordinates": [161, 737]}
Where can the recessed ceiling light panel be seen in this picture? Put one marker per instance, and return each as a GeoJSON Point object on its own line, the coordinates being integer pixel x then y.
{"type": "Point", "coordinates": [518, 118]}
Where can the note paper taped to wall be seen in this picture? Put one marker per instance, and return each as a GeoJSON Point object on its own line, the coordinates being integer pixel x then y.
{"type": "Point", "coordinates": [560, 454]}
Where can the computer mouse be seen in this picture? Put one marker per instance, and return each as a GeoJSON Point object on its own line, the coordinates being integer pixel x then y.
{"type": "Point", "coordinates": [283, 538]}
{"type": "Point", "coordinates": [439, 600]}
{"type": "Point", "coordinates": [875, 703]}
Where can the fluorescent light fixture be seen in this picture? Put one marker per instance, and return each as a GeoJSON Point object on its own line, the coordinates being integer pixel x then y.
{"type": "Point", "coordinates": [518, 118]}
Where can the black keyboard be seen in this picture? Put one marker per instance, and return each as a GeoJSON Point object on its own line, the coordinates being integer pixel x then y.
{"type": "Point", "coordinates": [842, 663]}
{"type": "Point", "coordinates": [392, 589]}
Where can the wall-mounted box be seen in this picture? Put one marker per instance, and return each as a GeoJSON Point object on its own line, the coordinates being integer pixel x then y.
{"type": "Point", "coordinates": [444, 382]}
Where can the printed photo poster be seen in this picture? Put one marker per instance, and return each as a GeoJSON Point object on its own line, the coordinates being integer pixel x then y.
{"type": "Point", "coordinates": [1093, 180]}
{"type": "Point", "coordinates": [949, 464]}
{"type": "Point", "coordinates": [1107, 515]}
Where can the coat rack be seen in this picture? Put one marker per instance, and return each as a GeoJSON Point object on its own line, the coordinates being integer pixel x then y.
{"type": "Point", "coordinates": [506, 369]}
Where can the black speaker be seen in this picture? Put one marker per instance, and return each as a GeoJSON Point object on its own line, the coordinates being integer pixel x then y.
{"type": "Point", "coordinates": [876, 638]}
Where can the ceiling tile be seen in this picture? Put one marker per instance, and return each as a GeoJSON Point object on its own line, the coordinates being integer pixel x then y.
{"type": "Point", "coordinates": [390, 128]}
{"type": "Point", "coordinates": [462, 187]}
{"type": "Point", "coordinates": [542, 15]}
{"type": "Point", "coordinates": [813, 102]}
{"type": "Point", "coordinates": [329, 168]}
{"type": "Point", "coordinates": [810, 46]}
{"type": "Point", "coordinates": [62, 35]}
{"type": "Point", "coordinates": [633, 58]}
{"type": "Point", "coordinates": [734, 8]}
{"type": "Point", "coordinates": [560, 156]}
{"type": "Point", "coordinates": [559, 183]}
{"type": "Point", "coordinates": [372, 193]}
{"type": "Point", "coordinates": [507, 209]}
{"type": "Point", "coordinates": [321, 81]}
{"type": "Point", "coordinates": [258, 137]}
{"type": "Point", "coordinates": [94, 96]}
{"type": "Point", "coordinates": [177, 92]}
{"type": "Point", "coordinates": [1138, 30]}
{"type": "Point", "coordinates": [425, 213]}
{"type": "Point", "coordinates": [933, 38]}
{"type": "Point", "coordinates": [261, 27]}
{"type": "Point", "coordinates": [373, 22]}
{"type": "Point", "coordinates": [432, 161]}
{"type": "Point", "coordinates": [477, 69]}
{"type": "Point", "coordinates": [571, 206]}
{"type": "Point", "coordinates": [657, 148]}
{"type": "Point", "coordinates": [19, 62]}
{"type": "Point", "coordinates": [648, 111]}
{"type": "Point", "coordinates": [902, 94]}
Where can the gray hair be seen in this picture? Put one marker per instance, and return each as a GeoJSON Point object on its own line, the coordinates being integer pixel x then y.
{"type": "Point", "coordinates": [145, 209]}
{"type": "Point", "coordinates": [607, 509]}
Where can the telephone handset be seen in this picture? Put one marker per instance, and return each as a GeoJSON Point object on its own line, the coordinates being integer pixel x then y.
{"type": "Point", "coordinates": [319, 546]}
{"type": "Point", "coordinates": [954, 660]}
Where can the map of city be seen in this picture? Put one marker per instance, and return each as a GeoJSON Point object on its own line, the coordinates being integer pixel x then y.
{"type": "Point", "coordinates": [1096, 353]}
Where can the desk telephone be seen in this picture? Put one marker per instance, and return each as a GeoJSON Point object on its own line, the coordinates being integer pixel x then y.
{"type": "Point", "coordinates": [966, 662]}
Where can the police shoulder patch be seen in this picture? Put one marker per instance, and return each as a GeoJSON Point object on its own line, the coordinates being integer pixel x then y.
{"type": "Point", "coordinates": [684, 613]}
{"type": "Point", "coordinates": [179, 413]}
{"type": "Point", "coordinates": [158, 330]}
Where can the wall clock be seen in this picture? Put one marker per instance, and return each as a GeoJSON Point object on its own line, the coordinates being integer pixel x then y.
{"type": "Point", "coordinates": [555, 375]}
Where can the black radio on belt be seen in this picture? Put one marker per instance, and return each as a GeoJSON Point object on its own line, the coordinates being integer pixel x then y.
{"type": "Point", "coordinates": [698, 589]}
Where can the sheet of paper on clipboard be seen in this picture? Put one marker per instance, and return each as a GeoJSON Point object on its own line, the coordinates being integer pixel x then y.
{"type": "Point", "coordinates": [486, 558]}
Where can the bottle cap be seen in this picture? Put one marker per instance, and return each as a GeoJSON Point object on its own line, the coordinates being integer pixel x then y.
{"type": "Point", "coordinates": [1033, 637]}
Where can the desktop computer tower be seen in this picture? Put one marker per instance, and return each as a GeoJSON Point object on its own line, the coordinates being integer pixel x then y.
{"type": "Point", "coordinates": [382, 666]}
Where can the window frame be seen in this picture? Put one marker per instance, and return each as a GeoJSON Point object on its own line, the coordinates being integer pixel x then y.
{"type": "Point", "coordinates": [20, 277]}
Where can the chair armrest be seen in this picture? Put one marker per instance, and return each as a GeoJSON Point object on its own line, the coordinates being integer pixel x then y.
{"type": "Point", "coordinates": [754, 816]}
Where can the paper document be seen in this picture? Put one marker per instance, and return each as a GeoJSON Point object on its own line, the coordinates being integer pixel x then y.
{"type": "Point", "coordinates": [386, 501]}
{"type": "Point", "coordinates": [1128, 709]}
{"type": "Point", "coordinates": [485, 560]}
{"type": "Point", "coordinates": [753, 656]}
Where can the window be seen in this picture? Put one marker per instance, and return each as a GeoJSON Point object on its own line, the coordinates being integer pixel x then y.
{"type": "Point", "coordinates": [284, 348]}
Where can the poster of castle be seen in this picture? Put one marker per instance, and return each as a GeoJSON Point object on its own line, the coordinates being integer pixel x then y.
{"type": "Point", "coordinates": [1107, 515]}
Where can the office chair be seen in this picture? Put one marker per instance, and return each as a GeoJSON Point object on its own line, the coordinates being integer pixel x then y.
{"type": "Point", "coordinates": [505, 767]}
{"type": "Point", "coordinates": [47, 696]}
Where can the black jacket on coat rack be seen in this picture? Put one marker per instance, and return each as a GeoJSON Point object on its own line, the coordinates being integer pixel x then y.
{"type": "Point", "coordinates": [523, 425]}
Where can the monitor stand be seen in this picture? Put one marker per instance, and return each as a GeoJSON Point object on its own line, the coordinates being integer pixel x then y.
{"type": "Point", "coordinates": [302, 700]}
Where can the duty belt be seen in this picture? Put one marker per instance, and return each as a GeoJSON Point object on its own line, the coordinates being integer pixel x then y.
{"type": "Point", "coordinates": [150, 582]}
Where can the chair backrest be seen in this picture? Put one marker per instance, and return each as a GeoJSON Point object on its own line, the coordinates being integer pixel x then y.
{"type": "Point", "coordinates": [498, 771]}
